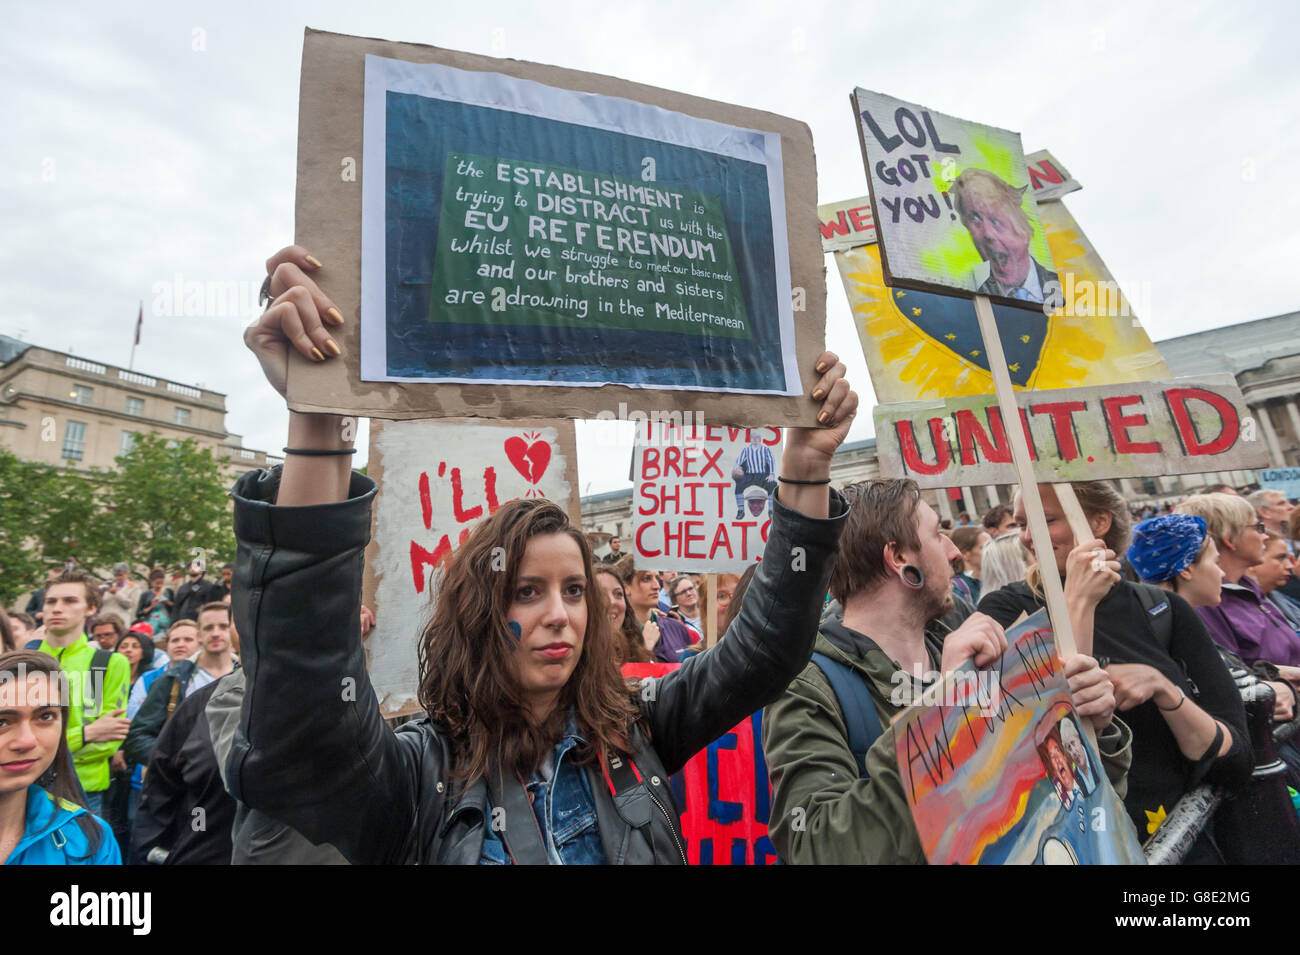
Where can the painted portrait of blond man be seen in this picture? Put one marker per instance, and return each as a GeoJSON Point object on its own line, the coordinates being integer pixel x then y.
{"type": "Point", "coordinates": [991, 211]}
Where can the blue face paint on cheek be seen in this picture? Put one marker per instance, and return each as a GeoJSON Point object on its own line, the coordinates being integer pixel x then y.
{"type": "Point", "coordinates": [515, 631]}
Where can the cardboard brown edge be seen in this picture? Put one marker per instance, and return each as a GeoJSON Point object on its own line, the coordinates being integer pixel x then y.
{"type": "Point", "coordinates": [806, 264]}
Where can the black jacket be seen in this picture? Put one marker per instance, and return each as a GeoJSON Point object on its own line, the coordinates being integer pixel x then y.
{"type": "Point", "coordinates": [323, 761]}
{"type": "Point", "coordinates": [184, 807]}
{"type": "Point", "coordinates": [147, 725]}
{"type": "Point", "coordinates": [193, 594]}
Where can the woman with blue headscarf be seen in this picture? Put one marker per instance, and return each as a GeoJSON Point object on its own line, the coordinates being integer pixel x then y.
{"type": "Point", "coordinates": [1176, 552]}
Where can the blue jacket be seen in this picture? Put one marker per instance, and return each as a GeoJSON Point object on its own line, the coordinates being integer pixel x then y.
{"type": "Point", "coordinates": [52, 835]}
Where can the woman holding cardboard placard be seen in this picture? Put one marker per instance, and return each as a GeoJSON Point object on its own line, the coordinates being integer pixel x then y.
{"type": "Point", "coordinates": [534, 749]}
{"type": "Point", "coordinates": [1171, 685]}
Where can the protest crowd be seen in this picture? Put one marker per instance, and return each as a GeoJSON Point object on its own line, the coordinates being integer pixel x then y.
{"type": "Point", "coordinates": [132, 729]}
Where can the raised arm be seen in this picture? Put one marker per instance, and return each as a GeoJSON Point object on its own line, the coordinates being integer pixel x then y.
{"type": "Point", "coordinates": [312, 749]}
{"type": "Point", "coordinates": [771, 640]}
{"type": "Point", "coordinates": [297, 318]}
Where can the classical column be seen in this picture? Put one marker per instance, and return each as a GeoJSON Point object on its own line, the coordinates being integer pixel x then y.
{"type": "Point", "coordinates": [942, 504]}
{"type": "Point", "coordinates": [1126, 488]}
{"type": "Point", "coordinates": [991, 491]}
{"type": "Point", "coordinates": [1277, 460]}
{"type": "Point", "coordinates": [1293, 412]}
{"type": "Point", "coordinates": [969, 499]}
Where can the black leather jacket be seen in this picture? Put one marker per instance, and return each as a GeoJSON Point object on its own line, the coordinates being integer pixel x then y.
{"type": "Point", "coordinates": [313, 752]}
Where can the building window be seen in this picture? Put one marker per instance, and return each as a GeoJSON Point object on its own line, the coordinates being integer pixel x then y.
{"type": "Point", "coordinates": [128, 442]}
{"type": "Point", "coordinates": [82, 394]}
{"type": "Point", "coordinates": [181, 416]}
{"type": "Point", "coordinates": [135, 406]}
{"type": "Point", "coordinates": [74, 441]}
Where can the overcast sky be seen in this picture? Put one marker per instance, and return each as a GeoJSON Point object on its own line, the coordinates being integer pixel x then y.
{"type": "Point", "coordinates": [142, 141]}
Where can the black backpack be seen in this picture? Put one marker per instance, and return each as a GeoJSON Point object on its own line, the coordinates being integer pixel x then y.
{"type": "Point", "coordinates": [98, 673]}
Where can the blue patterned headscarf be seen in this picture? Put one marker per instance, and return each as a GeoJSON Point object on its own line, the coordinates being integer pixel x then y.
{"type": "Point", "coordinates": [1165, 546]}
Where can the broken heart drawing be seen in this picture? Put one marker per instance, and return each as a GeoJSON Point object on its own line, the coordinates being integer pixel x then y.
{"type": "Point", "coordinates": [530, 456]}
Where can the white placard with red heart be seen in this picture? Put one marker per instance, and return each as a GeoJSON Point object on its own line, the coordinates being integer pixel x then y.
{"type": "Point", "coordinates": [438, 480]}
{"type": "Point", "coordinates": [701, 495]}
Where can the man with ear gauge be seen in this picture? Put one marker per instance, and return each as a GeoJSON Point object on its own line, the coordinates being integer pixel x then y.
{"type": "Point", "coordinates": [831, 804]}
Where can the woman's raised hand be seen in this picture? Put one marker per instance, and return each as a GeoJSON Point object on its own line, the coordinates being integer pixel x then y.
{"type": "Point", "coordinates": [806, 461]}
{"type": "Point", "coordinates": [296, 317]}
{"type": "Point", "coordinates": [814, 447]}
{"type": "Point", "coordinates": [1091, 570]}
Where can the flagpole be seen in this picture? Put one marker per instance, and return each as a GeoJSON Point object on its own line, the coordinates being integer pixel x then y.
{"type": "Point", "coordinates": [135, 341]}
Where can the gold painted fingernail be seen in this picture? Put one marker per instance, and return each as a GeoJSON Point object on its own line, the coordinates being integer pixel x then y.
{"type": "Point", "coordinates": [824, 417]}
{"type": "Point", "coordinates": [332, 348]}
{"type": "Point", "coordinates": [315, 353]}
{"type": "Point", "coordinates": [817, 395]}
{"type": "Point", "coordinates": [335, 314]}
{"type": "Point", "coordinates": [821, 366]}
{"type": "Point", "coordinates": [314, 262]}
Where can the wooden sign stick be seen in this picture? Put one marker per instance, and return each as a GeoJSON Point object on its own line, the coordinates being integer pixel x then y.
{"type": "Point", "coordinates": [710, 620]}
{"type": "Point", "coordinates": [1074, 514]}
{"type": "Point", "coordinates": [1052, 590]}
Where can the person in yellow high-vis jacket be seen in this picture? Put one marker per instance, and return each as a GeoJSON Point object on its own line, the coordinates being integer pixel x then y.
{"type": "Point", "coordinates": [98, 682]}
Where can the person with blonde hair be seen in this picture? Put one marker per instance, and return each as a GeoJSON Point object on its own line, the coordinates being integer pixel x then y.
{"type": "Point", "coordinates": [1243, 622]}
{"type": "Point", "coordinates": [991, 211]}
{"type": "Point", "coordinates": [1002, 562]}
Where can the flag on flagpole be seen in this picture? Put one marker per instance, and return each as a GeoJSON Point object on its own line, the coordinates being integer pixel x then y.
{"type": "Point", "coordinates": [139, 323]}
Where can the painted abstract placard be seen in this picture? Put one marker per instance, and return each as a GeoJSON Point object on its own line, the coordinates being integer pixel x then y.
{"type": "Point", "coordinates": [1142, 429]}
{"type": "Point", "coordinates": [437, 481]}
{"type": "Point", "coordinates": [519, 233]}
{"type": "Point", "coordinates": [999, 770]}
{"type": "Point", "coordinates": [952, 204]}
{"type": "Point", "coordinates": [702, 495]}
{"type": "Point", "coordinates": [722, 792]}
{"type": "Point", "coordinates": [921, 345]}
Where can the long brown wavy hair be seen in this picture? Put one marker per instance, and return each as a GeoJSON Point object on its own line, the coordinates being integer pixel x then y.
{"type": "Point", "coordinates": [629, 644]}
{"type": "Point", "coordinates": [467, 680]}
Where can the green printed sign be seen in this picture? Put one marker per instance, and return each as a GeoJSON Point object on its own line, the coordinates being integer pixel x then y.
{"type": "Point", "coordinates": [525, 244]}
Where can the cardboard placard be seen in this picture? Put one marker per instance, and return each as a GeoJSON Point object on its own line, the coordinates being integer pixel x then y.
{"type": "Point", "coordinates": [567, 140]}
{"type": "Point", "coordinates": [1285, 480]}
{"type": "Point", "coordinates": [997, 768]}
{"type": "Point", "coordinates": [1048, 178]}
{"type": "Point", "coordinates": [723, 792]}
{"type": "Point", "coordinates": [952, 204]}
{"type": "Point", "coordinates": [701, 495]}
{"type": "Point", "coordinates": [921, 345]}
{"type": "Point", "coordinates": [437, 481]}
{"type": "Point", "coordinates": [1143, 429]}
{"type": "Point", "coordinates": [848, 224]}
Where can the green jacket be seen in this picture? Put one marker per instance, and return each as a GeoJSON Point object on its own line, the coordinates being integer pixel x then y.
{"type": "Point", "coordinates": [90, 759]}
{"type": "Point", "coordinates": [822, 812]}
